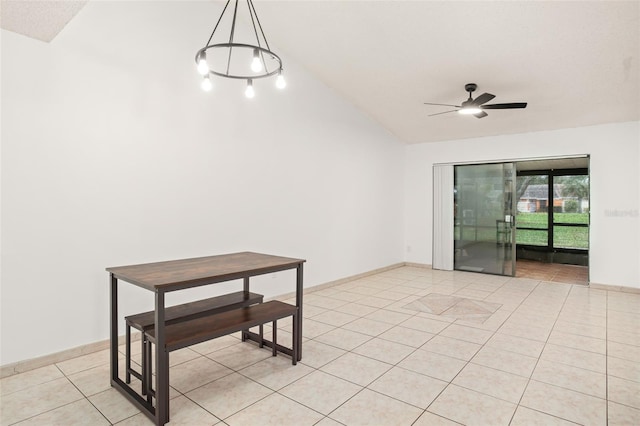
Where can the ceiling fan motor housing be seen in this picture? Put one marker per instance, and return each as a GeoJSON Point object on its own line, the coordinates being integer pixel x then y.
{"type": "Point", "coordinates": [470, 87]}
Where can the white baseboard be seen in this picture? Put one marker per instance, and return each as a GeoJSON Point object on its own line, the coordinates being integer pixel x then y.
{"type": "Point", "coordinates": [341, 281]}
{"type": "Point", "coordinates": [32, 364]}
{"type": "Point", "coordinates": [42, 361]}
{"type": "Point", "coordinates": [418, 265]}
{"type": "Point", "coordinates": [620, 288]}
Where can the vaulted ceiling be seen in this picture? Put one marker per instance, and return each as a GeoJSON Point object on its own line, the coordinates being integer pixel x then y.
{"type": "Point", "coordinates": [575, 63]}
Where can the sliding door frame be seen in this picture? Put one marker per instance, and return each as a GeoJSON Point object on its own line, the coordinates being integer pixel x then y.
{"type": "Point", "coordinates": [437, 245]}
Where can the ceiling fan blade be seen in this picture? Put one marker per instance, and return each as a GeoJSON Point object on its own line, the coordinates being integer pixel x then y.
{"type": "Point", "coordinates": [446, 112]}
{"type": "Point", "coordinates": [506, 106]}
{"type": "Point", "coordinates": [481, 114]}
{"type": "Point", "coordinates": [485, 97]}
{"type": "Point", "coordinates": [456, 106]}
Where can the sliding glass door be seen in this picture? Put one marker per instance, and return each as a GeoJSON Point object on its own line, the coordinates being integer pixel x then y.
{"type": "Point", "coordinates": [553, 215]}
{"type": "Point", "coordinates": [484, 206]}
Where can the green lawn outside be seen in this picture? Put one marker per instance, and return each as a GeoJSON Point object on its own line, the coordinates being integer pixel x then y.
{"type": "Point", "coordinates": [570, 237]}
{"type": "Point", "coordinates": [535, 238]}
{"type": "Point", "coordinates": [539, 220]}
{"type": "Point", "coordinates": [564, 236]}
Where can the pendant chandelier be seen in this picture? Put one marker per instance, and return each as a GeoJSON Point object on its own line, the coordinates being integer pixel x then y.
{"type": "Point", "coordinates": [242, 61]}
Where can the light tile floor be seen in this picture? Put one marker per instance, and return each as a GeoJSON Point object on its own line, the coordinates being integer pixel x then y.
{"type": "Point", "coordinates": [511, 351]}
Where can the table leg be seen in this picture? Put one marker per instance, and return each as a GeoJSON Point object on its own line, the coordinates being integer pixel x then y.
{"type": "Point", "coordinates": [299, 290]}
{"type": "Point", "coordinates": [114, 329]}
{"type": "Point", "coordinates": [162, 364]}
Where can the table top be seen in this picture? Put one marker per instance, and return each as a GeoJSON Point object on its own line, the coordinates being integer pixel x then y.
{"type": "Point", "coordinates": [186, 273]}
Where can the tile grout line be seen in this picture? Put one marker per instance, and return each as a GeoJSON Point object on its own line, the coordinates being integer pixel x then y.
{"type": "Point", "coordinates": [273, 391]}
{"type": "Point", "coordinates": [84, 396]}
{"type": "Point", "coordinates": [367, 387]}
{"type": "Point", "coordinates": [476, 352]}
{"type": "Point", "coordinates": [392, 365]}
{"type": "Point", "coordinates": [479, 349]}
{"type": "Point", "coordinates": [314, 370]}
{"type": "Point", "coordinates": [540, 356]}
{"type": "Point", "coordinates": [63, 405]}
{"type": "Point", "coordinates": [467, 362]}
{"type": "Point", "coordinates": [573, 286]}
{"type": "Point", "coordinates": [494, 332]}
{"type": "Point", "coordinates": [346, 352]}
{"type": "Point", "coordinates": [537, 360]}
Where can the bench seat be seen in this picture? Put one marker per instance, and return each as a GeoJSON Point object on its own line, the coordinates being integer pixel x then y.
{"type": "Point", "coordinates": [187, 311]}
{"type": "Point", "coordinates": [198, 330]}
{"type": "Point", "coordinates": [173, 314]}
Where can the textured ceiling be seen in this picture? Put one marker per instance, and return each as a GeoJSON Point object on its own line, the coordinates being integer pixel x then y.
{"type": "Point", "coordinates": [42, 20]}
{"type": "Point", "coordinates": [576, 63]}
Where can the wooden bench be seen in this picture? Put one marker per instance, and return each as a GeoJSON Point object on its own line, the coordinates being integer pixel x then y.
{"type": "Point", "coordinates": [186, 333]}
{"type": "Point", "coordinates": [175, 314]}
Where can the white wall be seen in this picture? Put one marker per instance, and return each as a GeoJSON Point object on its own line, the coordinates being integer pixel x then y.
{"type": "Point", "coordinates": [615, 189]}
{"type": "Point", "coordinates": [112, 155]}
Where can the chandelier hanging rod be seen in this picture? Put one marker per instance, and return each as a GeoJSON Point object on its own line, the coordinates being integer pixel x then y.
{"type": "Point", "coordinates": [218, 23]}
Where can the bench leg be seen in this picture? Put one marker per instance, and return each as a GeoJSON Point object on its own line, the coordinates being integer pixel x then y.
{"type": "Point", "coordinates": [144, 361]}
{"type": "Point", "coordinates": [294, 339]}
{"type": "Point", "coordinates": [274, 338]}
{"type": "Point", "coordinates": [147, 373]}
{"type": "Point", "coordinates": [128, 355]}
{"type": "Point", "coordinates": [261, 332]}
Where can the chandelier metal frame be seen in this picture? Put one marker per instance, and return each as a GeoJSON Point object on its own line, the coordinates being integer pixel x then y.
{"type": "Point", "coordinates": [261, 48]}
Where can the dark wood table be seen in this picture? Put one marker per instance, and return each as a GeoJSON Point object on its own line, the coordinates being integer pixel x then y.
{"type": "Point", "coordinates": [164, 277]}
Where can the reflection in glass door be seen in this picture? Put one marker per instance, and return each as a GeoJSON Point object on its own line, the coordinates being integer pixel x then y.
{"type": "Point", "coordinates": [483, 218]}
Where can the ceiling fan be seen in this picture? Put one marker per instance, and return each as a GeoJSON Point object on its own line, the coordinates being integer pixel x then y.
{"type": "Point", "coordinates": [477, 106]}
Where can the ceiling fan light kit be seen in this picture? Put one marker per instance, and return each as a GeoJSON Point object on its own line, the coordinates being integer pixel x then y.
{"type": "Point", "coordinates": [469, 110]}
{"type": "Point", "coordinates": [241, 61]}
{"type": "Point", "coordinates": [477, 106]}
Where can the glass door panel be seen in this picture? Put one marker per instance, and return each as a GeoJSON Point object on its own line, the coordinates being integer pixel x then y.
{"type": "Point", "coordinates": [483, 218]}
{"type": "Point", "coordinates": [571, 212]}
{"type": "Point", "coordinates": [532, 213]}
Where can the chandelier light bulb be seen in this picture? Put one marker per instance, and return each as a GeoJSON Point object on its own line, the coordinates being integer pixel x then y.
{"type": "Point", "coordinates": [249, 92]}
{"type": "Point", "coordinates": [256, 64]}
{"type": "Point", "coordinates": [281, 83]}
{"type": "Point", "coordinates": [203, 66]}
{"type": "Point", "coordinates": [206, 84]}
